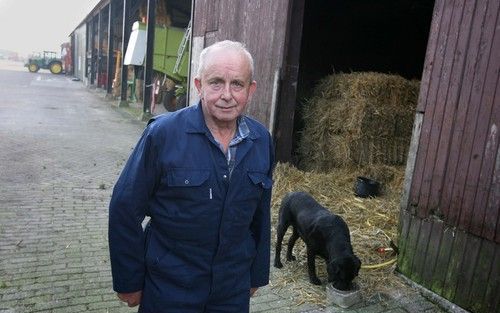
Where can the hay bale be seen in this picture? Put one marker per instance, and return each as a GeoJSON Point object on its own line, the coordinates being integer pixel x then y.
{"type": "Point", "coordinates": [372, 224]}
{"type": "Point", "coordinates": [358, 118]}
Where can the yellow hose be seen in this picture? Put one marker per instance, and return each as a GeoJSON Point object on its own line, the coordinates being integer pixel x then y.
{"type": "Point", "coordinates": [373, 266]}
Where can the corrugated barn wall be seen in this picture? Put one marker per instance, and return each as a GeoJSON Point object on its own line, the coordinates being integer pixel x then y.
{"type": "Point", "coordinates": [450, 230]}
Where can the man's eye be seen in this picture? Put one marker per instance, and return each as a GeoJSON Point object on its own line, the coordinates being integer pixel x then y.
{"type": "Point", "coordinates": [237, 84]}
{"type": "Point", "coordinates": [215, 84]}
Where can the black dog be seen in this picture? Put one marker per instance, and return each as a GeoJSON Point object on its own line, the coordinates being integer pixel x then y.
{"type": "Point", "coordinates": [325, 234]}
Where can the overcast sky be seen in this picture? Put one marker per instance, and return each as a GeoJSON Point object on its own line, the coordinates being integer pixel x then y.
{"type": "Point", "coordinates": [35, 25]}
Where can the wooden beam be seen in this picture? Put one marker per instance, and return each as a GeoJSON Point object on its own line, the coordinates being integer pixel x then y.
{"type": "Point", "coordinates": [87, 47]}
{"type": "Point", "coordinates": [410, 163]}
{"type": "Point", "coordinates": [98, 48]}
{"type": "Point", "coordinates": [283, 132]}
{"type": "Point", "coordinates": [148, 62]}
{"type": "Point", "coordinates": [92, 50]}
{"type": "Point", "coordinates": [110, 63]}
{"type": "Point", "coordinates": [127, 28]}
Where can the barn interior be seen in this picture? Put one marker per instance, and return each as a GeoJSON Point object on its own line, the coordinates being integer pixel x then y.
{"type": "Point", "coordinates": [174, 13]}
{"type": "Point", "coordinates": [343, 36]}
{"type": "Point", "coordinates": [360, 67]}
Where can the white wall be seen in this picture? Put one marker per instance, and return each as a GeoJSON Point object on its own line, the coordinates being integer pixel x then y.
{"type": "Point", "coordinates": [80, 49]}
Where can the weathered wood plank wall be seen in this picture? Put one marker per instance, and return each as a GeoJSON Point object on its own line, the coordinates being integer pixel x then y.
{"type": "Point", "coordinates": [450, 220]}
{"type": "Point", "coordinates": [456, 166]}
{"type": "Point", "coordinates": [261, 26]}
{"type": "Point", "coordinates": [455, 264]}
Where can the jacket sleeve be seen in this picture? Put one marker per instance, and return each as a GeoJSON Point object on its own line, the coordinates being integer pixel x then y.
{"type": "Point", "coordinates": [261, 230]}
{"type": "Point", "coordinates": [127, 210]}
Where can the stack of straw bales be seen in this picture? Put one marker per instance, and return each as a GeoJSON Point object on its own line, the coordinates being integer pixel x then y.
{"type": "Point", "coordinates": [358, 118]}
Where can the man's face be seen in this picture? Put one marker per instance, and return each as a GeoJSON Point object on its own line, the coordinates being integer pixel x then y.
{"type": "Point", "coordinates": [225, 87]}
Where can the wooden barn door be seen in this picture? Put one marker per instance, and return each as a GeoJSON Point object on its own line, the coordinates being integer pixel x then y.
{"type": "Point", "coordinates": [450, 218]}
{"type": "Point", "coordinates": [261, 26]}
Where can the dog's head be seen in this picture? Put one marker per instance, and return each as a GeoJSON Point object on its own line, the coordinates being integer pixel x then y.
{"type": "Point", "coordinates": [342, 270]}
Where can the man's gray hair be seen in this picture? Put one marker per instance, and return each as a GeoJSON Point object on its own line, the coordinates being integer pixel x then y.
{"type": "Point", "coordinates": [224, 45]}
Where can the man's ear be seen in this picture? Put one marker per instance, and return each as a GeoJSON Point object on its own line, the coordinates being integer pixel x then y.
{"type": "Point", "coordinates": [197, 83]}
{"type": "Point", "coordinates": [251, 90]}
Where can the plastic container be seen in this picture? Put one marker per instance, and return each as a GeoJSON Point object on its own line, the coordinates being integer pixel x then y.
{"type": "Point", "coordinates": [366, 187]}
{"type": "Point", "coordinates": [343, 298]}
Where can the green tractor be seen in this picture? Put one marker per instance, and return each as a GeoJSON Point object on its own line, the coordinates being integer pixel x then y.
{"type": "Point", "coordinates": [47, 60]}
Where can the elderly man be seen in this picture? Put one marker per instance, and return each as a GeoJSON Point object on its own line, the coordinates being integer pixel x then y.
{"type": "Point", "coordinates": [203, 175]}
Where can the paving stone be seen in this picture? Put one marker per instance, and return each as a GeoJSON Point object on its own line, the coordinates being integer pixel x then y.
{"type": "Point", "coordinates": [420, 305]}
{"type": "Point", "coordinates": [260, 307]}
{"type": "Point", "coordinates": [374, 308]}
{"type": "Point", "coordinates": [71, 309]}
{"type": "Point", "coordinates": [265, 298]}
{"type": "Point", "coordinates": [400, 310]}
{"type": "Point", "coordinates": [337, 309]}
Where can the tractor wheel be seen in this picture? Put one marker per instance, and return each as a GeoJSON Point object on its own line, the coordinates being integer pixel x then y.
{"type": "Point", "coordinates": [169, 100]}
{"type": "Point", "coordinates": [33, 68]}
{"type": "Point", "coordinates": [181, 102]}
{"type": "Point", "coordinates": [55, 67]}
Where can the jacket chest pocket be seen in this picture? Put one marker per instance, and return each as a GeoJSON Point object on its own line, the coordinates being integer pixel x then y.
{"type": "Point", "coordinates": [257, 183]}
{"type": "Point", "coordinates": [186, 184]}
{"type": "Point", "coordinates": [186, 177]}
{"type": "Point", "coordinates": [254, 185]}
{"type": "Point", "coordinates": [260, 179]}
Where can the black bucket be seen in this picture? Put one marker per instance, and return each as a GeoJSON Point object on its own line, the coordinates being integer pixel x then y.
{"type": "Point", "coordinates": [366, 187]}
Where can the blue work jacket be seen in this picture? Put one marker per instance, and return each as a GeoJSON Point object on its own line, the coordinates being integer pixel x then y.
{"type": "Point", "coordinates": [209, 233]}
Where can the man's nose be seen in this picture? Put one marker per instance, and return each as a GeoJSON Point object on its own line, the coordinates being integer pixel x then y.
{"type": "Point", "coordinates": [226, 92]}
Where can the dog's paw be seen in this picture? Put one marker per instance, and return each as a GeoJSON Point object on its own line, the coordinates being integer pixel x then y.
{"type": "Point", "coordinates": [291, 258]}
{"type": "Point", "coordinates": [278, 264]}
{"type": "Point", "coordinates": [315, 281]}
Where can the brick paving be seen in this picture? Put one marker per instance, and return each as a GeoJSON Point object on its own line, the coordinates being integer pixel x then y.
{"type": "Point", "coordinates": [62, 147]}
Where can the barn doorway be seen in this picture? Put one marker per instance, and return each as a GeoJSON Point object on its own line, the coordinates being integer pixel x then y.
{"type": "Point", "coordinates": [343, 36]}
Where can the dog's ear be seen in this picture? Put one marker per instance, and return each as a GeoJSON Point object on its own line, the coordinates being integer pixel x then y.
{"type": "Point", "coordinates": [333, 267]}
{"type": "Point", "coordinates": [333, 270]}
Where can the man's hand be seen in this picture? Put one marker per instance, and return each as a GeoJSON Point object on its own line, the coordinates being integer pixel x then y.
{"type": "Point", "coordinates": [252, 291]}
{"type": "Point", "coordinates": [131, 298]}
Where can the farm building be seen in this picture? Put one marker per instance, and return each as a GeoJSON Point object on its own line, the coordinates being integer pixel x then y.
{"type": "Point", "coordinates": [449, 230]}
{"type": "Point", "coordinates": [100, 42]}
